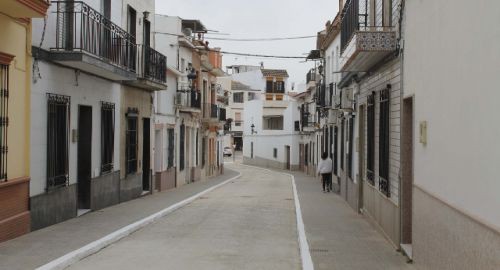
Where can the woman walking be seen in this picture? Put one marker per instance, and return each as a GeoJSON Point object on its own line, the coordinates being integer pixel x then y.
{"type": "Point", "coordinates": [325, 170]}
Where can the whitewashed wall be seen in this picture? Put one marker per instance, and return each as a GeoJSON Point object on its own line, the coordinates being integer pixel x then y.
{"type": "Point", "coordinates": [87, 90]}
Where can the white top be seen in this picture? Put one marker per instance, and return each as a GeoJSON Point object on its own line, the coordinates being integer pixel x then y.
{"type": "Point", "coordinates": [325, 166]}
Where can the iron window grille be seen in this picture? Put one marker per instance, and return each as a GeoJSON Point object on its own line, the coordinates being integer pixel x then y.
{"type": "Point", "coordinates": [275, 152]}
{"type": "Point", "coordinates": [4, 119]}
{"type": "Point", "coordinates": [181, 146]}
{"type": "Point", "coordinates": [171, 147]}
{"type": "Point", "coordinates": [370, 140]}
{"type": "Point", "coordinates": [297, 125]}
{"type": "Point", "coordinates": [131, 140]}
{"type": "Point", "coordinates": [58, 119]}
{"type": "Point", "coordinates": [107, 136]}
{"type": "Point", "coordinates": [384, 141]}
{"type": "Point", "coordinates": [275, 87]}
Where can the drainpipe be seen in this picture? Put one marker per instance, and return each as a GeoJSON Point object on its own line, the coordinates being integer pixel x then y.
{"type": "Point", "coordinates": [401, 55]}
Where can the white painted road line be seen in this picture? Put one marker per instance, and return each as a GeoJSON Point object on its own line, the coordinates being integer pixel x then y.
{"type": "Point", "coordinates": [94, 247]}
{"type": "Point", "coordinates": [305, 254]}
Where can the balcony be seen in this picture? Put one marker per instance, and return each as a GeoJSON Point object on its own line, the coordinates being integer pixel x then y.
{"type": "Point", "coordinates": [210, 112]}
{"type": "Point", "coordinates": [188, 101]}
{"type": "Point", "coordinates": [25, 8]}
{"type": "Point", "coordinates": [311, 76]}
{"type": "Point", "coordinates": [151, 69]}
{"type": "Point", "coordinates": [88, 41]}
{"type": "Point", "coordinates": [363, 46]}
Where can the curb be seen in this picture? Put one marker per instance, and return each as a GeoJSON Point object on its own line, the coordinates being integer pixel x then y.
{"type": "Point", "coordinates": [305, 254]}
{"type": "Point", "coordinates": [94, 247]}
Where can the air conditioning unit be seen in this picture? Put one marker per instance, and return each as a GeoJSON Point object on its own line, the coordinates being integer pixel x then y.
{"type": "Point", "coordinates": [333, 117]}
{"type": "Point", "coordinates": [346, 100]}
{"type": "Point", "coordinates": [178, 99]}
{"type": "Point", "coordinates": [187, 32]}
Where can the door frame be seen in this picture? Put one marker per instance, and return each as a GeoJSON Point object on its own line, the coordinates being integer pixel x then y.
{"type": "Point", "coordinates": [407, 169]}
{"type": "Point", "coordinates": [80, 183]}
{"type": "Point", "coordinates": [146, 154]}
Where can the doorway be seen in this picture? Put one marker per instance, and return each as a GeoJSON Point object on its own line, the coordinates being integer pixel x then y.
{"type": "Point", "coordinates": [301, 157]}
{"type": "Point", "coordinates": [287, 155]}
{"type": "Point", "coordinates": [146, 155]}
{"type": "Point", "coordinates": [407, 176]}
{"type": "Point", "coordinates": [84, 157]}
{"type": "Point", "coordinates": [361, 156]}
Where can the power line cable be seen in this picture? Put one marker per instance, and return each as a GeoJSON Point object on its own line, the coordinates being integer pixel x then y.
{"type": "Point", "coordinates": [260, 39]}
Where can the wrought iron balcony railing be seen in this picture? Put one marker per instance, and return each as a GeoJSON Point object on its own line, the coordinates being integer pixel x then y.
{"type": "Point", "coordinates": [355, 18]}
{"type": "Point", "coordinates": [311, 76]}
{"type": "Point", "coordinates": [80, 28]}
{"type": "Point", "coordinates": [210, 110]}
{"type": "Point", "coordinates": [188, 99]}
{"type": "Point", "coordinates": [151, 64]}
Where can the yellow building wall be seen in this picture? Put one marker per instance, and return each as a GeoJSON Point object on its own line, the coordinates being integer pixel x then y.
{"type": "Point", "coordinates": [17, 41]}
{"type": "Point", "coordinates": [140, 99]}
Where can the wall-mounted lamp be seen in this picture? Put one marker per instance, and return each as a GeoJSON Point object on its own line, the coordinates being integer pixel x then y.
{"type": "Point", "coordinates": [253, 129]}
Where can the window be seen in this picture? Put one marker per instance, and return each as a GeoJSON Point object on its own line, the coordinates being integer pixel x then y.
{"type": "Point", "coordinates": [131, 140]}
{"type": "Point", "coordinates": [237, 119]}
{"type": "Point", "coordinates": [57, 140]}
{"type": "Point", "coordinates": [297, 125]}
{"type": "Point", "coordinates": [171, 147]}
{"type": "Point", "coordinates": [280, 87]}
{"type": "Point", "coordinates": [238, 97]}
{"type": "Point", "coordinates": [275, 152]}
{"type": "Point", "coordinates": [273, 123]}
{"type": "Point", "coordinates": [251, 96]}
{"type": "Point", "coordinates": [370, 140]}
{"type": "Point", "coordinates": [269, 86]}
{"type": "Point", "coordinates": [181, 146]}
{"type": "Point", "coordinates": [4, 119]}
{"type": "Point", "coordinates": [384, 138]}
{"type": "Point", "coordinates": [107, 136]}
{"type": "Point", "coordinates": [342, 144]}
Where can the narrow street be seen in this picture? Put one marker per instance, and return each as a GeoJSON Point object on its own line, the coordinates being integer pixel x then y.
{"type": "Point", "coordinates": [248, 223]}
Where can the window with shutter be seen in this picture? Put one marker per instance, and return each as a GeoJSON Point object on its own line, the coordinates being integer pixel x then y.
{"type": "Point", "coordinates": [384, 141]}
{"type": "Point", "coordinates": [107, 136]}
{"type": "Point", "coordinates": [370, 140]}
{"type": "Point", "coordinates": [58, 140]}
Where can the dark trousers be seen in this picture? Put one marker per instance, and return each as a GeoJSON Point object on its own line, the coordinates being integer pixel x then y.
{"type": "Point", "coordinates": [326, 179]}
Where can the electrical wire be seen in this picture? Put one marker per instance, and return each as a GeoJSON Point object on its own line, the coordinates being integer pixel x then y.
{"type": "Point", "coordinates": [260, 39]}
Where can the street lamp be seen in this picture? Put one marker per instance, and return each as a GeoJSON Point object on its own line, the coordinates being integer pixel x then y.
{"type": "Point", "coordinates": [253, 129]}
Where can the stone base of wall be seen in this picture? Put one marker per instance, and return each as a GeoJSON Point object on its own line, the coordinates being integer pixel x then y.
{"type": "Point", "coordinates": [445, 238]}
{"type": "Point", "coordinates": [165, 180]}
{"type": "Point", "coordinates": [14, 210]}
{"type": "Point", "coordinates": [53, 207]}
{"type": "Point", "coordinates": [383, 214]}
{"type": "Point", "coordinates": [130, 187]}
{"type": "Point", "coordinates": [105, 191]}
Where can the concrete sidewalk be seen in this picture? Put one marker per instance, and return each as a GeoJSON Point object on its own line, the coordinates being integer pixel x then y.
{"type": "Point", "coordinates": [338, 237]}
{"type": "Point", "coordinates": [42, 246]}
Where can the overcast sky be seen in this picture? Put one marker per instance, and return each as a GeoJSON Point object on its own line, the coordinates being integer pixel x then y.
{"type": "Point", "coordinates": [259, 19]}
